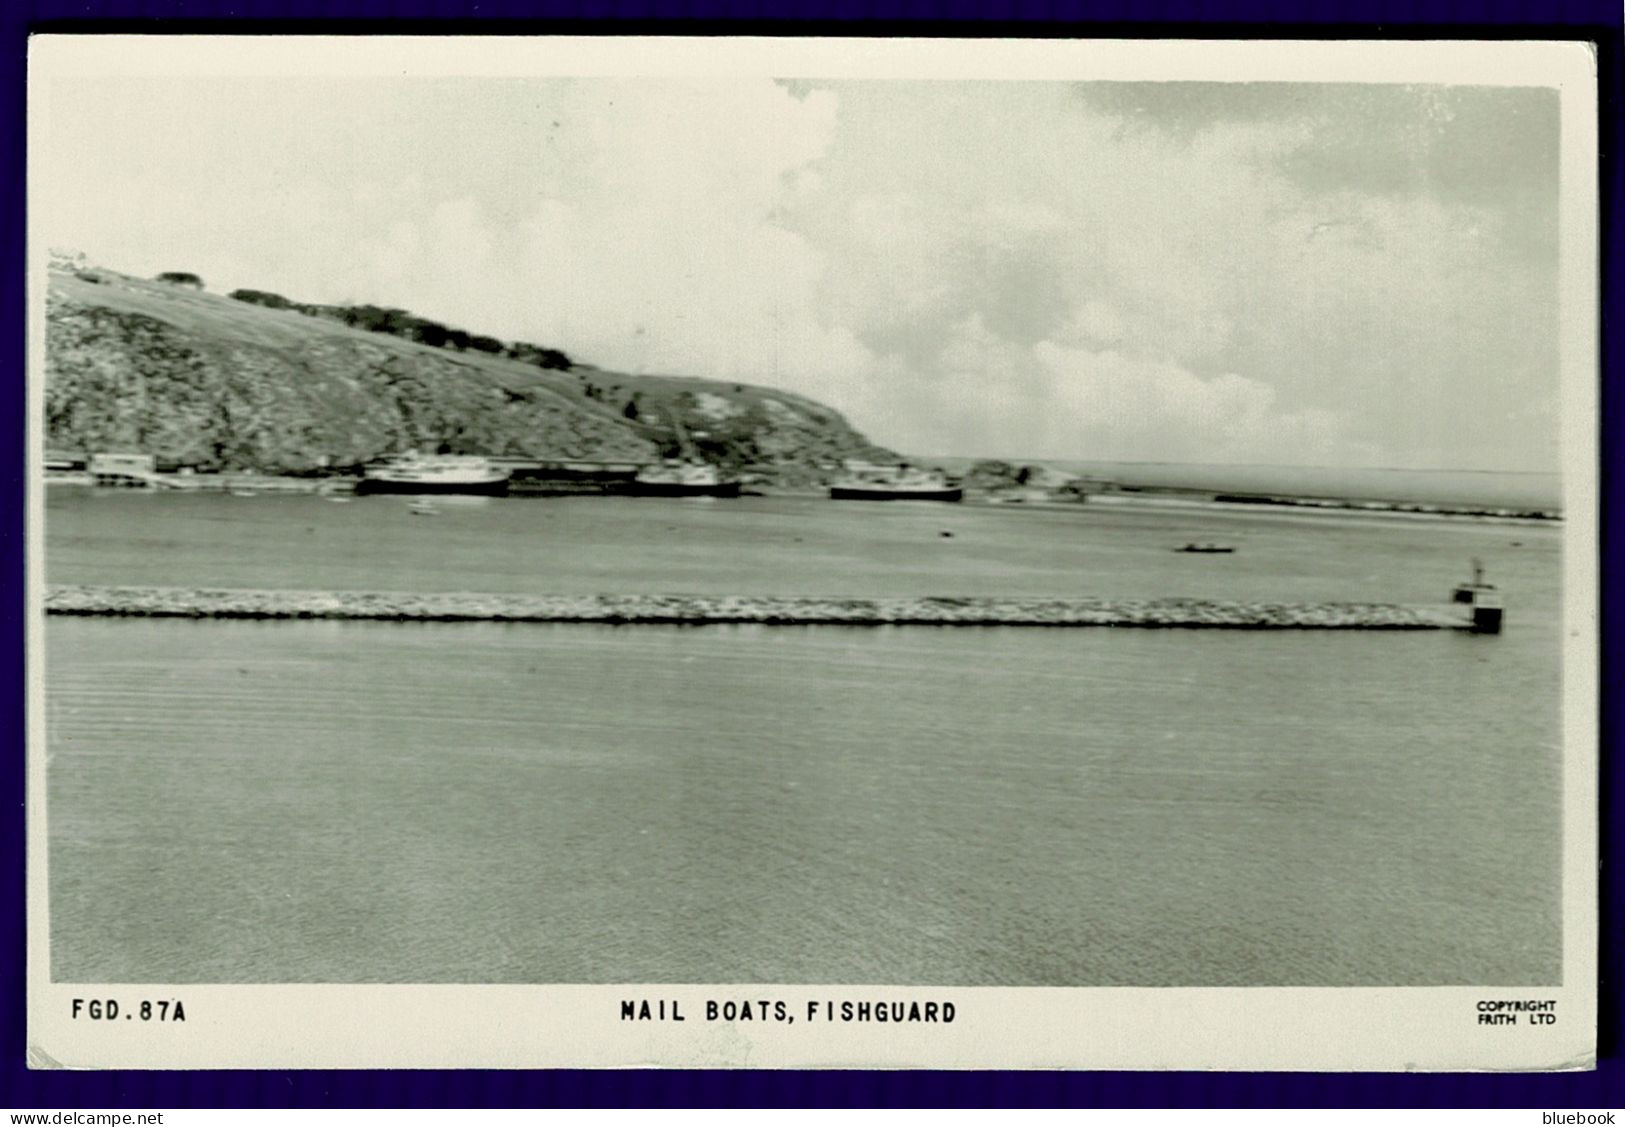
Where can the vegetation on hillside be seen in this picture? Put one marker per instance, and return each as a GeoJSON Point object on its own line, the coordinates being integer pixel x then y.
{"type": "Point", "coordinates": [409, 326]}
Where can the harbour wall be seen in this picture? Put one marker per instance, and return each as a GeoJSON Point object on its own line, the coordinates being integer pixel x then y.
{"type": "Point", "coordinates": [213, 483]}
{"type": "Point", "coordinates": [187, 602]}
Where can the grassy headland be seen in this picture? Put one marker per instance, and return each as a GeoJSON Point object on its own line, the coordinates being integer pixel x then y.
{"type": "Point", "coordinates": [224, 384]}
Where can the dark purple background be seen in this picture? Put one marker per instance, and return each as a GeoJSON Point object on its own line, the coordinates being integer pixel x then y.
{"type": "Point", "coordinates": [1598, 20]}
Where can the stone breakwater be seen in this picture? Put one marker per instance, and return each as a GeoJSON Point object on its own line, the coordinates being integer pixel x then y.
{"type": "Point", "coordinates": [187, 602]}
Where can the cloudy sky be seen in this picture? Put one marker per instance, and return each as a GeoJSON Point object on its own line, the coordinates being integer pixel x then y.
{"type": "Point", "coordinates": [1348, 275]}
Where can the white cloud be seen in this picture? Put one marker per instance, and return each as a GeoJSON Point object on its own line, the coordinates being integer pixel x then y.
{"type": "Point", "coordinates": [1053, 400]}
{"type": "Point", "coordinates": [1122, 404]}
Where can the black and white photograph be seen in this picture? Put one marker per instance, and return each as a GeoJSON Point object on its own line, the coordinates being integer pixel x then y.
{"type": "Point", "coordinates": [812, 552]}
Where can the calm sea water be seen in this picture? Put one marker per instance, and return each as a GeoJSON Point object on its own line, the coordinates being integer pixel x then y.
{"type": "Point", "coordinates": [379, 802]}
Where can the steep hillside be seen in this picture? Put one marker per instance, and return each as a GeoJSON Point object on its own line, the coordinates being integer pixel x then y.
{"type": "Point", "coordinates": [212, 382]}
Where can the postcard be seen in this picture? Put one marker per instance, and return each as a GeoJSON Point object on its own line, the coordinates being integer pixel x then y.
{"type": "Point", "coordinates": [812, 553]}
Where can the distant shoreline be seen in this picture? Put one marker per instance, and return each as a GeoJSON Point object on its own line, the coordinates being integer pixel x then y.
{"type": "Point", "coordinates": [1452, 489]}
{"type": "Point", "coordinates": [1342, 506]}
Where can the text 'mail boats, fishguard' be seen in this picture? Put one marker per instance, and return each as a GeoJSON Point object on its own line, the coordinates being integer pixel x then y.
{"type": "Point", "coordinates": [436, 473]}
{"type": "Point", "coordinates": [905, 483]}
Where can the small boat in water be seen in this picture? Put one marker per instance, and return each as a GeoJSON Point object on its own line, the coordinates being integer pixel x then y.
{"type": "Point", "coordinates": [1207, 549]}
{"type": "Point", "coordinates": [684, 479]}
{"type": "Point", "coordinates": [423, 509]}
{"type": "Point", "coordinates": [426, 474]}
{"type": "Point", "coordinates": [905, 483]}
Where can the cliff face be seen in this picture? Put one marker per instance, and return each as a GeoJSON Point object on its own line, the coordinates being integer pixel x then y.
{"type": "Point", "coordinates": [207, 381]}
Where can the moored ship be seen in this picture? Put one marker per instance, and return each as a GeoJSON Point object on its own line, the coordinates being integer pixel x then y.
{"type": "Point", "coordinates": [684, 479]}
{"type": "Point", "coordinates": [440, 473]}
{"type": "Point", "coordinates": [905, 483]}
